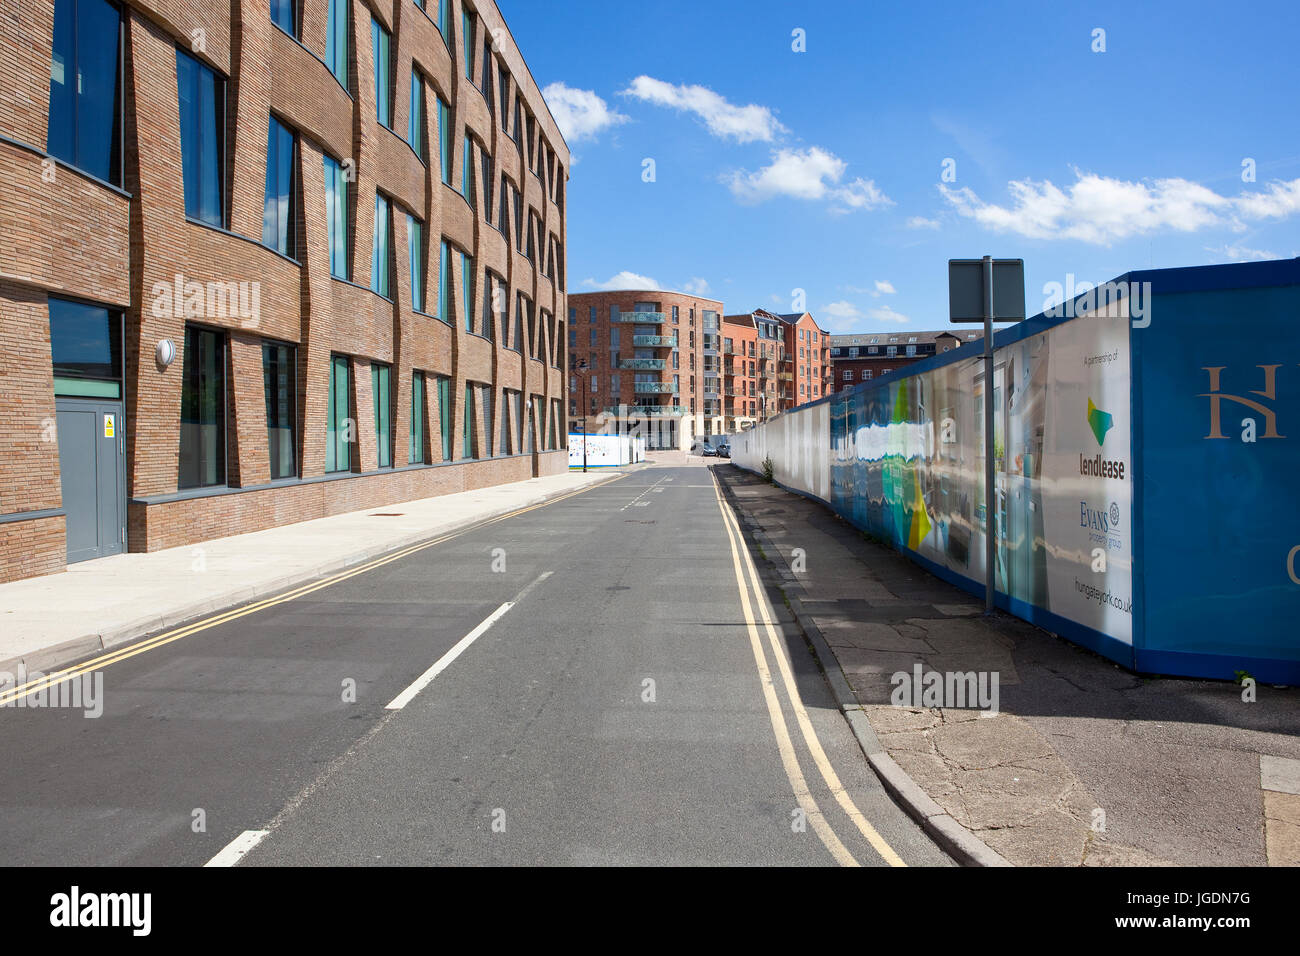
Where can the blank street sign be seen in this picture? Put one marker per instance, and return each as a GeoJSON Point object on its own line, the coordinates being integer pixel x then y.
{"type": "Point", "coordinates": [966, 290]}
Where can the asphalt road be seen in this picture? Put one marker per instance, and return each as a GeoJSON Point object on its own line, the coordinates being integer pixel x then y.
{"type": "Point", "coordinates": [629, 707]}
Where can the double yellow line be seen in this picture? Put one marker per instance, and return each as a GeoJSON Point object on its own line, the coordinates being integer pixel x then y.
{"type": "Point", "coordinates": [785, 745]}
{"type": "Point", "coordinates": [140, 647]}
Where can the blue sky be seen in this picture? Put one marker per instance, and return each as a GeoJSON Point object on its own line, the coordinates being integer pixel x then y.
{"type": "Point", "coordinates": [822, 170]}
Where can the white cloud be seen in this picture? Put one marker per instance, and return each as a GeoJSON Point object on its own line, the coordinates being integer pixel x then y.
{"type": "Point", "coordinates": [1240, 253]}
{"type": "Point", "coordinates": [920, 222]}
{"type": "Point", "coordinates": [623, 280]}
{"type": "Point", "coordinates": [811, 174]}
{"type": "Point", "coordinates": [744, 124]}
{"type": "Point", "coordinates": [886, 314]}
{"type": "Point", "coordinates": [696, 286]}
{"type": "Point", "coordinates": [580, 114]}
{"type": "Point", "coordinates": [842, 310]}
{"type": "Point", "coordinates": [1102, 210]}
{"type": "Point", "coordinates": [884, 287]}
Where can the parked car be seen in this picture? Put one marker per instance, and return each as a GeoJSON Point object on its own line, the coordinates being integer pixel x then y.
{"type": "Point", "coordinates": [724, 450]}
{"type": "Point", "coordinates": [705, 449]}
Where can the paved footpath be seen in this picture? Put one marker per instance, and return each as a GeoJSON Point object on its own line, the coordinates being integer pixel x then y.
{"type": "Point", "coordinates": [599, 680]}
{"type": "Point", "coordinates": [1087, 763]}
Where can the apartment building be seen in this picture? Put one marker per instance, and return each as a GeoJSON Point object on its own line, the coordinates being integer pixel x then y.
{"type": "Point", "coordinates": [861, 357]}
{"type": "Point", "coordinates": [268, 261]}
{"type": "Point", "coordinates": [646, 362]}
{"type": "Point", "coordinates": [792, 362]}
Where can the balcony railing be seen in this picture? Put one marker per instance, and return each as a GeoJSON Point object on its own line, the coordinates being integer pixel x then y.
{"type": "Point", "coordinates": [654, 388]}
{"type": "Point", "coordinates": [642, 318]}
{"type": "Point", "coordinates": [643, 364]}
{"type": "Point", "coordinates": [649, 411]}
{"type": "Point", "coordinates": [655, 341]}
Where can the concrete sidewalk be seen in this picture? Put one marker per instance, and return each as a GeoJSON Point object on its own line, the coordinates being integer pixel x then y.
{"type": "Point", "coordinates": [1086, 763]}
{"type": "Point", "coordinates": [50, 621]}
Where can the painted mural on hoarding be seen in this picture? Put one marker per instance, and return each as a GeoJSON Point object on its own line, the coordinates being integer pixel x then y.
{"type": "Point", "coordinates": [907, 463]}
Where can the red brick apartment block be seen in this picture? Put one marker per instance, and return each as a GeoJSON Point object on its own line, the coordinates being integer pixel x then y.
{"type": "Point", "coordinates": [864, 356]}
{"type": "Point", "coordinates": [653, 365]}
{"type": "Point", "coordinates": [793, 361]}
{"type": "Point", "coordinates": [342, 221]}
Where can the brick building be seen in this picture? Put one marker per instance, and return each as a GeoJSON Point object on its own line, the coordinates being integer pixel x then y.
{"type": "Point", "coordinates": [792, 363]}
{"type": "Point", "coordinates": [265, 261]}
{"type": "Point", "coordinates": [859, 358]}
{"type": "Point", "coordinates": [648, 362]}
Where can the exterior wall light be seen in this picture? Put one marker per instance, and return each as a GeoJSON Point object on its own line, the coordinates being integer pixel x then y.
{"type": "Point", "coordinates": [165, 353]}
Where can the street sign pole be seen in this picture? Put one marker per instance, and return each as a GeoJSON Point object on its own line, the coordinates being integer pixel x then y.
{"type": "Point", "coordinates": [990, 501]}
{"type": "Point", "coordinates": [972, 298]}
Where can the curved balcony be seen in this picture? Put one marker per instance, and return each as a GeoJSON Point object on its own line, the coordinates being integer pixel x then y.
{"type": "Point", "coordinates": [640, 318]}
{"type": "Point", "coordinates": [651, 365]}
{"type": "Point", "coordinates": [654, 388]}
{"type": "Point", "coordinates": [655, 341]}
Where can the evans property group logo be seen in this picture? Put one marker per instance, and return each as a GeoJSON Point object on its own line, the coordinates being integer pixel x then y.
{"type": "Point", "coordinates": [1098, 467]}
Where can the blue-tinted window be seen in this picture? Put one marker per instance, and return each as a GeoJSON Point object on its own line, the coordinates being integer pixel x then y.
{"type": "Point", "coordinates": [86, 88]}
{"type": "Point", "coordinates": [415, 250]}
{"type": "Point", "coordinates": [444, 283]}
{"type": "Point", "coordinates": [284, 16]}
{"type": "Point", "coordinates": [336, 40]}
{"type": "Point", "coordinates": [444, 20]}
{"type": "Point", "coordinates": [203, 410]}
{"type": "Point", "coordinates": [279, 214]}
{"type": "Point", "coordinates": [379, 44]}
{"type": "Point", "coordinates": [416, 454]}
{"type": "Point", "coordinates": [444, 139]}
{"type": "Point", "coordinates": [415, 122]}
{"type": "Point", "coordinates": [380, 265]}
{"type": "Point", "coordinates": [86, 348]}
{"type": "Point", "coordinates": [202, 97]}
{"type": "Point", "coordinates": [467, 289]}
{"type": "Point", "coordinates": [336, 212]}
{"type": "Point", "coordinates": [380, 378]}
{"type": "Point", "coordinates": [467, 36]}
{"type": "Point", "coordinates": [279, 379]}
{"type": "Point", "coordinates": [339, 427]}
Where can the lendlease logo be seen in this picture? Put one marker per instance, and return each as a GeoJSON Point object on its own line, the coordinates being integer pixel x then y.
{"type": "Point", "coordinates": [1100, 422]}
{"type": "Point", "coordinates": [1097, 467]}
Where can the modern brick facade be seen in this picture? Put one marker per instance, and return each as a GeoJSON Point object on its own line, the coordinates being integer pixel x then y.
{"type": "Point", "coordinates": [653, 364]}
{"type": "Point", "coordinates": [69, 235]}
{"type": "Point", "coordinates": [793, 362]}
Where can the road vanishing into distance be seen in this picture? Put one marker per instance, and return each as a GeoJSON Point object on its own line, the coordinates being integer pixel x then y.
{"type": "Point", "coordinates": [597, 680]}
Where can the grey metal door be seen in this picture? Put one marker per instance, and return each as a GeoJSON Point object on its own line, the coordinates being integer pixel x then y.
{"type": "Point", "coordinates": [93, 476]}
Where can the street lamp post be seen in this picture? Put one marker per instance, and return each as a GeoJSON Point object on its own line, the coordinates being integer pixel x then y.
{"type": "Point", "coordinates": [583, 369]}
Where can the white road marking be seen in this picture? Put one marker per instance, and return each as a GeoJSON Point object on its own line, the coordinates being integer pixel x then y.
{"type": "Point", "coordinates": [238, 848]}
{"type": "Point", "coordinates": [425, 679]}
{"type": "Point", "coordinates": [637, 500]}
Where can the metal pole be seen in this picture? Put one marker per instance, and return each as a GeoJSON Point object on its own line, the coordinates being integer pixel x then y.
{"type": "Point", "coordinates": [990, 502]}
{"type": "Point", "coordinates": [584, 423]}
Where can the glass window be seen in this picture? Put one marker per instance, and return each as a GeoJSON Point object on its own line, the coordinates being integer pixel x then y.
{"type": "Point", "coordinates": [444, 20]}
{"type": "Point", "coordinates": [467, 289]}
{"type": "Point", "coordinates": [336, 210]}
{"type": "Point", "coordinates": [467, 426]}
{"type": "Point", "coordinates": [416, 454]}
{"type": "Point", "coordinates": [494, 296]}
{"type": "Point", "coordinates": [336, 40]}
{"type": "Point", "coordinates": [86, 88]}
{"type": "Point", "coordinates": [485, 409]}
{"type": "Point", "coordinates": [379, 46]}
{"type": "Point", "coordinates": [415, 122]}
{"type": "Point", "coordinates": [467, 174]}
{"type": "Point", "coordinates": [444, 415]}
{"type": "Point", "coordinates": [380, 261]}
{"type": "Point", "coordinates": [503, 85]}
{"type": "Point", "coordinates": [517, 342]}
{"type": "Point", "coordinates": [203, 410]}
{"type": "Point", "coordinates": [283, 16]}
{"type": "Point", "coordinates": [415, 250]}
{"type": "Point", "coordinates": [444, 139]}
{"type": "Point", "coordinates": [279, 378]}
{"type": "Point", "coordinates": [279, 212]}
{"type": "Point", "coordinates": [486, 161]}
{"type": "Point", "coordinates": [203, 133]}
{"type": "Point", "coordinates": [380, 379]}
{"type": "Point", "coordinates": [339, 425]}
{"type": "Point", "coordinates": [444, 283]}
{"type": "Point", "coordinates": [503, 441]}
{"type": "Point", "coordinates": [86, 348]}
{"type": "Point", "coordinates": [467, 37]}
